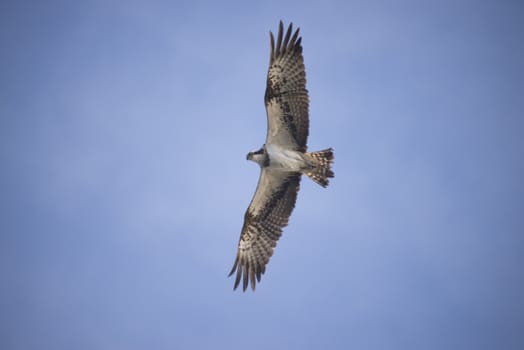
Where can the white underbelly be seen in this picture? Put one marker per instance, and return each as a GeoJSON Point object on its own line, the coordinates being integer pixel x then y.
{"type": "Point", "coordinates": [285, 158]}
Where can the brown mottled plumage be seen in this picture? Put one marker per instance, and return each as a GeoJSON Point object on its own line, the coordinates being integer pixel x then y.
{"type": "Point", "coordinates": [282, 159]}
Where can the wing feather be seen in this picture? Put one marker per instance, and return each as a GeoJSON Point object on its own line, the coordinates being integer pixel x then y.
{"type": "Point", "coordinates": [286, 97]}
{"type": "Point", "coordinates": [279, 38]}
{"type": "Point", "coordinates": [266, 216]}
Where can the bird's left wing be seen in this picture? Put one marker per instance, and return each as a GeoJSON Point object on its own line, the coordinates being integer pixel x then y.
{"type": "Point", "coordinates": [267, 214]}
{"type": "Point", "coordinates": [286, 97]}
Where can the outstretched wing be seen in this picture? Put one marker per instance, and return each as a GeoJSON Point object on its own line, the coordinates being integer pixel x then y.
{"type": "Point", "coordinates": [286, 98]}
{"type": "Point", "coordinates": [265, 217]}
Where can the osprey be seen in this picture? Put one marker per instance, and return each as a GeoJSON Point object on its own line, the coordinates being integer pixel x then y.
{"type": "Point", "coordinates": [282, 159]}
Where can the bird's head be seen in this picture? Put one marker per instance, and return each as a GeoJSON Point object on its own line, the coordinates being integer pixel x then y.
{"type": "Point", "coordinates": [259, 156]}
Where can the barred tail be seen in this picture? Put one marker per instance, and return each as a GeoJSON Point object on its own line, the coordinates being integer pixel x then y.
{"type": "Point", "coordinates": [321, 166]}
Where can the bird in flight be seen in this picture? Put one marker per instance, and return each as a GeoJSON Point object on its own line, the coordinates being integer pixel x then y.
{"type": "Point", "coordinates": [282, 159]}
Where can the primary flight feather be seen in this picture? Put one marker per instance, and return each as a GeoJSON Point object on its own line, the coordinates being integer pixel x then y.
{"type": "Point", "coordinates": [282, 159]}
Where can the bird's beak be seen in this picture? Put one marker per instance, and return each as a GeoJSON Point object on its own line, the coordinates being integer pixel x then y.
{"type": "Point", "coordinates": [249, 155]}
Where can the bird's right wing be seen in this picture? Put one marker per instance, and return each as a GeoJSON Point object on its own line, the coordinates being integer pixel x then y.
{"type": "Point", "coordinates": [267, 214]}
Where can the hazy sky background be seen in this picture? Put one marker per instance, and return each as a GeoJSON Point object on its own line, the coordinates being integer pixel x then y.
{"type": "Point", "coordinates": [124, 127]}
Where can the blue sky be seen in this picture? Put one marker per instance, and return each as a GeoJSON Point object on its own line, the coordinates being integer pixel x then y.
{"type": "Point", "coordinates": [123, 132]}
